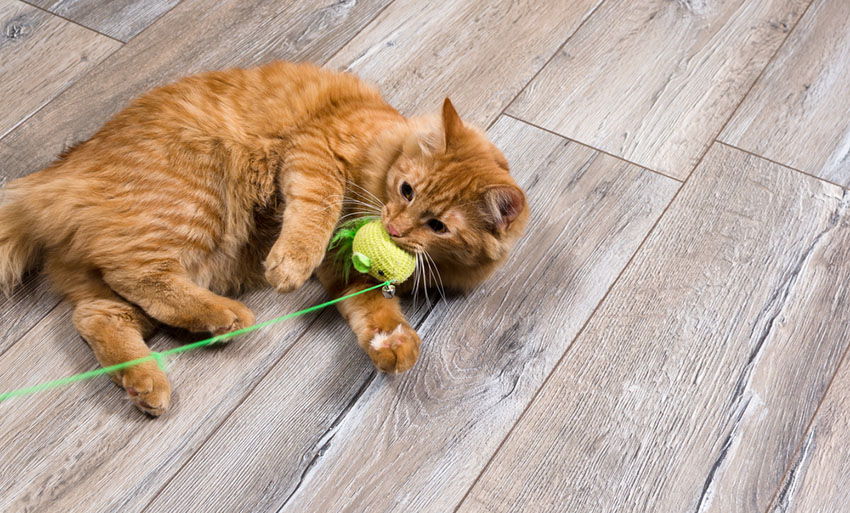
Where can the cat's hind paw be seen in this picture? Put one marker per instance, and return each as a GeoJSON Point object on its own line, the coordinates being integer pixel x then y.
{"type": "Point", "coordinates": [148, 388]}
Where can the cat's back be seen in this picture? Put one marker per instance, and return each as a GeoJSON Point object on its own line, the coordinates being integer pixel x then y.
{"type": "Point", "coordinates": [243, 105]}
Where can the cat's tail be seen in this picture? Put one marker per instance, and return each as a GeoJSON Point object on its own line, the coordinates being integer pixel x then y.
{"type": "Point", "coordinates": [18, 250]}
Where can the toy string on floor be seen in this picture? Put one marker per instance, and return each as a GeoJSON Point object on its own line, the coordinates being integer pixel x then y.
{"type": "Point", "coordinates": [159, 357]}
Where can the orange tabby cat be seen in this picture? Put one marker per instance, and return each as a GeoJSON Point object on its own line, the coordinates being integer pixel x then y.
{"type": "Point", "coordinates": [226, 179]}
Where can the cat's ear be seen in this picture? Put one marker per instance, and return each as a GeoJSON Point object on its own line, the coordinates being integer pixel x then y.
{"type": "Point", "coordinates": [503, 204]}
{"type": "Point", "coordinates": [452, 125]}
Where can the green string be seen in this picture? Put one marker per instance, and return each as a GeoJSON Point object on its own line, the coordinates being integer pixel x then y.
{"type": "Point", "coordinates": [158, 357]}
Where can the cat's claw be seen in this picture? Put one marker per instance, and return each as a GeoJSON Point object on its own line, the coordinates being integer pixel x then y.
{"type": "Point", "coordinates": [396, 351]}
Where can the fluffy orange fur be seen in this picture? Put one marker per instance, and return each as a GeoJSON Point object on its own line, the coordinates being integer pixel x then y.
{"type": "Point", "coordinates": [234, 178]}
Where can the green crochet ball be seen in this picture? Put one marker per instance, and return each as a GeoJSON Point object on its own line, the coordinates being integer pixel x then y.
{"type": "Point", "coordinates": [372, 251]}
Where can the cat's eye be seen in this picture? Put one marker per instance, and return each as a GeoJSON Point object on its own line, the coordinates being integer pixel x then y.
{"type": "Point", "coordinates": [406, 191]}
{"type": "Point", "coordinates": [437, 226]}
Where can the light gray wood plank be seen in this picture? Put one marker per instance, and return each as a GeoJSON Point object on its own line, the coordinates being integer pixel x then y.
{"type": "Point", "coordinates": [40, 55]}
{"type": "Point", "coordinates": [24, 308]}
{"type": "Point", "coordinates": [415, 442]}
{"type": "Point", "coordinates": [194, 36]}
{"type": "Point", "coordinates": [654, 81]}
{"type": "Point", "coordinates": [480, 54]}
{"type": "Point", "coordinates": [695, 380]}
{"type": "Point", "coordinates": [798, 114]}
{"type": "Point", "coordinates": [819, 477]}
{"type": "Point", "coordinates": [120, 19]}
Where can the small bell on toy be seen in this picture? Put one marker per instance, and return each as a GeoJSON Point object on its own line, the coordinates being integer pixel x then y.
{"type": "Point", "coordinates": [365, 245]}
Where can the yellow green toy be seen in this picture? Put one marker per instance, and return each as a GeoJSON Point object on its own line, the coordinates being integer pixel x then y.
{"type": "Point", "coordinates": [365, 245]}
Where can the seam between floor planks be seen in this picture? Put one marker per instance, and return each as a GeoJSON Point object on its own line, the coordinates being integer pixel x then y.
{"type": "Point", "coordinates": [562, 136]}
{"type": "Point", "coordinates": [42, 9]}
{"type": "Point", "coordinates": [366, 26]}
{"type": "Point", "coordinates": [845, 187]}
{"type": "Point", "coordinates": [235, 407]}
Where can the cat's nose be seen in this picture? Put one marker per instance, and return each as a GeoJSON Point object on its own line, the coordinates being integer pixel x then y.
{"type": "Point", "coordinates": [393, 231]}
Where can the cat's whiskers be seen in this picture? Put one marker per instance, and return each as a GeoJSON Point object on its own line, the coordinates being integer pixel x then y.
{"type": "Point", "coordinates": [352, 202]}
{"type": "Point", "coordinates": [357, 216]}
{"type": "Point", "coordinates": [436, 269]}
{"type": "Point", "coordinates": [367, 191]}
{"type": "Point", "coordinates": [416, 275]}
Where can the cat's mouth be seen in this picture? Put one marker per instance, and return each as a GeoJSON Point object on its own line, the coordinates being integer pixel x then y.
{"type": "Point", "coordinates": [408, 245]}
{"type": "Point", "coordinates": [402, 241]}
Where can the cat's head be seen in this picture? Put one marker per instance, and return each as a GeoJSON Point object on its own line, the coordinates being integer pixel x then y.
{"type": "Point", "coordinates": [449, 192]}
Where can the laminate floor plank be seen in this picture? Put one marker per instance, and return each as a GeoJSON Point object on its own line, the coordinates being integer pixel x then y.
{"type": "Point", "coordinates": [653, 82]}
{"type": "Point", "coordinates": [819, 477]}
{"type": "Point", "coordinates": [476, 53]}
{"type": "Point", "coordinates": [119, 19]}
{"type": "Point", "coordinates": [415, 442]}
{"type": "Point", "coordinates": [696, 379]}
{"type": "Point", "coordinates": [40, 56]}
{"type": "Point", "coordinates": [797, 114]}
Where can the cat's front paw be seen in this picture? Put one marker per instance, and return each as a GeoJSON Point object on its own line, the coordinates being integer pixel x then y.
{"type": "Point", "coordinates": [394, 351]}
{"type": "Point", "coordinates": [148, 388]}
{"type": "Point", "coordinates": [287, 272]}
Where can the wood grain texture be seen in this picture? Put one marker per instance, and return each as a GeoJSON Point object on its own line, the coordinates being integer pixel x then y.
{"type": "Point", "coordinates": [695, 380]}
{"type": "Point", "coordinates": [120, 19]}
{"type": "Point", "coordinates": [798, 114]}
{"type": "Point", "coordinates": [24, 308]}
{"type": "Point", "coordinates": [40, 55]}
{"type": "Point", "coordinates": [415, 442]}
{"type": "Point", "coordinates": [477, 53]}
{"type": "Point", "coordinates": [654, 81]}
{"type": "Point", "coordinates": [819, 477]}
{"type": "Point", "coordinates": [260, 455]}
{"type": "Point", "coordinates": [194, 36]}
{"type": "Point", "coordinates": [83, 447]}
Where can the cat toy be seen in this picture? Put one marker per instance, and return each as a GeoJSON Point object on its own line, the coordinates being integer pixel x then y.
{"type": "Point", "coordinates": [366, 246]}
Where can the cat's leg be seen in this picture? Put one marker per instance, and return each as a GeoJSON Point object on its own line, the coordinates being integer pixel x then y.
{"type": "Point", "coordinates": [115, 330]}
{"type": "Point", "coordinates": [166, 293]}
{"type": "Point", "coordinates": [380, 326]}
{"type": "Point", "coordinates": [313, 191]}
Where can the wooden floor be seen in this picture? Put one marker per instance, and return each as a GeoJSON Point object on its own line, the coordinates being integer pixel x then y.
{"type": "Point", "coordinates": [671, 334]}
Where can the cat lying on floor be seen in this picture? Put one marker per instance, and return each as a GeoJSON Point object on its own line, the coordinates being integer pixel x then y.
{"type": "Point", "coordinates": [233, 178]}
